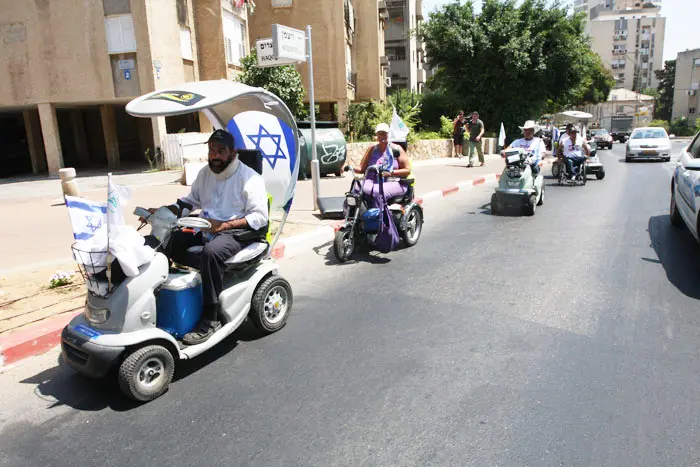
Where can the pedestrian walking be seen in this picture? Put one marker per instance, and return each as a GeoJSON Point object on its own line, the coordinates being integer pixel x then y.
{"type": "Point", "coordinates": [476, 131]}
{"type": "Point", "coordinates": [458, 130]}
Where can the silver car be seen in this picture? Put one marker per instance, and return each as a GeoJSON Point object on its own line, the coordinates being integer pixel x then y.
{"type": "Point", "coordinates": [648, 143]}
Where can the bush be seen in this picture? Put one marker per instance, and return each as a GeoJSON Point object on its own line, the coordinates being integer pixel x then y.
{"type": "Point", "coordinates": [680, 127]}
{"type": "Point", "coordinates": [429, 135]}
{"type": "Point", "coordinates": [446, 127]}
{"type": "Point", "coordinates": [660, 123]}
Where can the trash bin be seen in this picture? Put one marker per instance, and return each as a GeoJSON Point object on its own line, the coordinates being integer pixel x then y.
{"type": "Point", "coordinates": [330, 148]}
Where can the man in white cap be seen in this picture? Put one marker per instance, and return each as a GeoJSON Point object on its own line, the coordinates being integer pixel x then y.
{"type": "Point", "coordinates": [574, 149]}
{"type": "Point", "coordinates": [530, 143]}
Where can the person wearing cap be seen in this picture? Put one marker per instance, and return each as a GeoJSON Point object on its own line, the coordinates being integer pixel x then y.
{"type": "Point", "coordinates": [476, 131]}
{"type": "Point", "coordinates": [574, 150]}
{"type": "Point", "coordinates": [530, 143]}
{"type": "Point", "coordinates": [380, 153]}
{"type": "Point", "coordinates": [231, 196]}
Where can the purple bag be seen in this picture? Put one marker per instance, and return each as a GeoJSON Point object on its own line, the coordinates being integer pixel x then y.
{"type": "Point", "coordinates": [388, 236]}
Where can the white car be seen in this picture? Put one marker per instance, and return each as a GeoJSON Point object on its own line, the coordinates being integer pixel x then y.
{"type": "Point", "coordinates": [648, 143]}
{"type": "Point", "coordinates": [685, 188]}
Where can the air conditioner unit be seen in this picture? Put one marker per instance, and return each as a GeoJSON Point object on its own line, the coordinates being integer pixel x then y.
{"type": "Point", "coordinates": [387, 81]}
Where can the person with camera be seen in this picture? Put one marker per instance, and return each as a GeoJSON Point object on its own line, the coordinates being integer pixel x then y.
{"type": "Point", "coordinates": [476, 131]}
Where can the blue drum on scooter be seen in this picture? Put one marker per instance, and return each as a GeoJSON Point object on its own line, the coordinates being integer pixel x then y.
{"type": "Point", "coordinates": [179, 303]}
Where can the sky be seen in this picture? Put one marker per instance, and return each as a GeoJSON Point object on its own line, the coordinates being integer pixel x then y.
{"type": "Point", "coordinates": [682, 30]}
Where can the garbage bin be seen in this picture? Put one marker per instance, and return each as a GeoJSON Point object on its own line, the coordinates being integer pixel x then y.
{"type": "Point", "coordinates": [330, 148]}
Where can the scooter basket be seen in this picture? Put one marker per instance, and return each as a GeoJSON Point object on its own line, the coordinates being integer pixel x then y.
{"type": "Point", "coordinates": [371, 220]}
{"type": "Point", "coordinates": [93, 267]}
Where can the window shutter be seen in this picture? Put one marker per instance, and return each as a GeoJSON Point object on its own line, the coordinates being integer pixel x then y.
{"type": "Point", "coordinates": [242, 51]}
{"type": "Point", "coordinates": [120, 34]}
{"type": "Point", "coordinates": [186, 43]}
{"type": "Point", "coordinates": [228, 46]}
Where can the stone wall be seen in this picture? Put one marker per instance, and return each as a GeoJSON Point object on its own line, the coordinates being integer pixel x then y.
{"type": "Point", "coordinates": [422, 150]}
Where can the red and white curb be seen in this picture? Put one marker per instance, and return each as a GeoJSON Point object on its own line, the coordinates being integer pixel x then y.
{"type": "Point", "coordinates": [41, 337]}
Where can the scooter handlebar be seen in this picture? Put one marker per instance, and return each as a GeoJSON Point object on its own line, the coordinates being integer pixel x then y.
{"type": "Point", "coordinates": [142, 212]}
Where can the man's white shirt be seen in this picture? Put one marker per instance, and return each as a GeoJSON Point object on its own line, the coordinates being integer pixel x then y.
{"type": "Point", "coordinates": [237, 192]}
{"type": "Point", "coordinates": [534, 145]}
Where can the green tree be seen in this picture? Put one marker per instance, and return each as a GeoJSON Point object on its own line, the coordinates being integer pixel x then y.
{"type": "Point", "coordinates": [511, 63]}
{"type": "Point", "coordinates": [667, 80]}
{"type": "Point", "coordinates": [283, 81]}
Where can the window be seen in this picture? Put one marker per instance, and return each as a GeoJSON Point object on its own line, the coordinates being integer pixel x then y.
{"type": "Point", "coordinates": [182, 16]}
{"type": "Point", "coordinates": [620, 109]}
{"type": "Point", "coordinates": [120, 34]}
{"type": "Point", "coordinates": [348, 59]}
{"type": "Point", "coordinates": [696, 62]}
{"type": "Point", "coordinates": [234, 39]}
{"type": "Point", "coordinates": [694, 149]}
{"type": "Point", "coordinates": [691, 110]}
{"type": "Point", "coordinates": [186, 43]}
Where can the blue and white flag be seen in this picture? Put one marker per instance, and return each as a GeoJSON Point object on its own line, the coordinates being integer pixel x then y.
{"type": "Point", "coordinates": [88, 219]}
{"type": "Point", "coordinates": [278, 145]}
{"type": "Point", "coordinates": [398, 131]}
{"type": "Point", "coordinates": [117, 199]}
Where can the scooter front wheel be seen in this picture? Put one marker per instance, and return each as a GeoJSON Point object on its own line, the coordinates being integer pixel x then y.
{"type": "Point", "coordinates": [271, 304]}
{"type": "Point", "coordinates": [146, 373]}
{"type": "Point", "coordinates": [344, 245]}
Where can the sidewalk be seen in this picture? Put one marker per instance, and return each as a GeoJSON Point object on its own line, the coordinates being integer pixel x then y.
{"type": "Point", "coordinates": [31, 315]}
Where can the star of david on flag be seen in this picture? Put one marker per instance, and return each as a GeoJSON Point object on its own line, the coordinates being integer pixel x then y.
{"type": "Point", "coordinates": [270, 152]}
{"type": "Point", "coordinates": [88, 218]}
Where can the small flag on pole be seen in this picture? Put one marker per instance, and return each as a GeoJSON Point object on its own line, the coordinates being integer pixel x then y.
{"type": "Point", "coordinates": [502, 138]}
{"type": "Point", "coordinates": [88, 219]}
{"type": "Point", "coordinates": [398, 131]}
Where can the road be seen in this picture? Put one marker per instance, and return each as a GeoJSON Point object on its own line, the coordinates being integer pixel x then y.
{"type": "Point", "coordinates": [570, 339]}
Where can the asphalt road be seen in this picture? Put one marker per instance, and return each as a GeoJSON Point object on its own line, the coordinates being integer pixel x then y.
{"type": "Point", "coordinates": [570, 338]}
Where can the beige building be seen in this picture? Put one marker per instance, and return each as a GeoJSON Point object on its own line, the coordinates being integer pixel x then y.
{"type": "Point", "coordinates": [629, 37]}
{"type": "Point", "coordinates": [405, 53]}
{"type": "Point", "coordinates": [348, 43]}
{"type": "Point", "coordinates": [687, 86]}
{"type": "Point", "coordinates": [67, 70]}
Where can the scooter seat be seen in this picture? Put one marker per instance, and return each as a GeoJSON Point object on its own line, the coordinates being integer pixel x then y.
{"type": "Point", "coordinates": [248, 253]}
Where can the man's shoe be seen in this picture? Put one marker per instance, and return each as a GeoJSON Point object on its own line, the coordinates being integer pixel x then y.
{"type": "Point", "coordinates": [204, 330]}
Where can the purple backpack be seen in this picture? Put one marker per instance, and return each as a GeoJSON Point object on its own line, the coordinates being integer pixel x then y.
{"type": "Point", "coordinates": [388, 236]}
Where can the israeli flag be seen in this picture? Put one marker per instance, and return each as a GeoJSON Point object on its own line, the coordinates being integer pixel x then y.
{"type": "Point", "coordinates": [88, 219]}
{"type": "Point", "coordinates": [277, 143]}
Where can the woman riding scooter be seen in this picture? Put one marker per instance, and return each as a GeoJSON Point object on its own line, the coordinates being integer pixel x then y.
{"type": "Point", "coordinates": [380, 154]}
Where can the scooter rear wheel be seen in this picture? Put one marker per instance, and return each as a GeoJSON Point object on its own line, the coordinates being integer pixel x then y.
{"type": "Point", "coordinates": [146, 373]}
{"type": "Point", "coordinates": [271, 304]}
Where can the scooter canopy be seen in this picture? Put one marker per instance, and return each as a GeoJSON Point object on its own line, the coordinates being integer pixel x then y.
{"type": "Point", "coordinates": [258, 120]}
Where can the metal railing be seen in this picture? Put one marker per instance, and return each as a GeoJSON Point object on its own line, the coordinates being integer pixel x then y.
{"type": "Point", "coordinates": [351, 78]}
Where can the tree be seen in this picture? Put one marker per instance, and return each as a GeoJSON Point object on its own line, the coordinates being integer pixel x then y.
{"type": "Point", "coordinates": [283, 81]}
{"type": "Point", "coordinates": [512, 63]}
{"type": "Point", "coordinates": [667, 81]}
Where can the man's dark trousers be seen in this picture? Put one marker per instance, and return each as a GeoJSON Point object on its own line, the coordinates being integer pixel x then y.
{"type": "Point", "coordinates": [210, 262]}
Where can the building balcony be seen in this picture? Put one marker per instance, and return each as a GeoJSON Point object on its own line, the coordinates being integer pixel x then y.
{"type": "Point", "coordinates": [619, 51]}
{"type": "Point", "coordinates": [384, 61]}
{"type": "Point", "coordinates": [383, 10]}
{"type": "Point", "coordinates": [421, 75]}
{"type": "Point", "coordinates": [419, 10]}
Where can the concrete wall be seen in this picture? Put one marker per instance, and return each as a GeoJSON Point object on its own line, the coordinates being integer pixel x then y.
{"type": "Point", "coordinates": [421, 150]}
{"type": "Point", "coordinates": [53, 51]}
{"type": "Point", "coordinates": [326, 18]}
{"type": "Point", "coordinates": [368, 39]}
{"type": "Point", "coordinates": [687, 77]}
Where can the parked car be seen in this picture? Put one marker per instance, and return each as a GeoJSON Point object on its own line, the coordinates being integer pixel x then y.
{"type": "Point", "coordinates": [648, 143]}
{"type": "Point", "coordinates": [602, 138]}
{"type": "Point", "coordinates": [685, 188]}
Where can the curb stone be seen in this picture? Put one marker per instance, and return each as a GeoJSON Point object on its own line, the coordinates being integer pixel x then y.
{"type": "Point", "coordinates": [41, 337]}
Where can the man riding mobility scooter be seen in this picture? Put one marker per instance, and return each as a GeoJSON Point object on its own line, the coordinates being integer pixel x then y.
{"type": "Point", "coordinates": [136, 323]}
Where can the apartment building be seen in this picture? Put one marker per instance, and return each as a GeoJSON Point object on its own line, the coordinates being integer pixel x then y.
{"type": "Point", "coordinates": [67, 70]}
{"type": "Point", "coordinates": [687, 86]}
{"type": "Point", "coordinates": [348, 43]}
{"type": "Point", "coordinates": [630, 42]}
{"type": "Point", "coordinates": [405, 53]}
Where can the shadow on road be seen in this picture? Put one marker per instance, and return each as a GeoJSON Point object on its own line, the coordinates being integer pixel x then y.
{"type": "Point", "coordinates": [678, 253]}
{"type": "Point", "coordinates": [62, 386]}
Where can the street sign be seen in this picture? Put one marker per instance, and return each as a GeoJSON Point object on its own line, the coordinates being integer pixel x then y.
{"type": "Point", "coordinates": [288, 43]}
{"type": "Point", "coordinates": [127, 64]}
{"type": "Point", "coordinates": [266, 54]}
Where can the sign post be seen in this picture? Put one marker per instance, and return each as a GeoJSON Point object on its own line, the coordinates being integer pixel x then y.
{"type": "Point", "coordinates": [294, 46]}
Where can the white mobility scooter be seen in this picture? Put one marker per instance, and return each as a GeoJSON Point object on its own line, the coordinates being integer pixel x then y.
{"type": "Point", "coordinates": [135, 324]}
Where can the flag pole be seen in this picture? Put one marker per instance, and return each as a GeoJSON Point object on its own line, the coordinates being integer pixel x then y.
{"type": "Point", "coordinates": [109, 255]}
